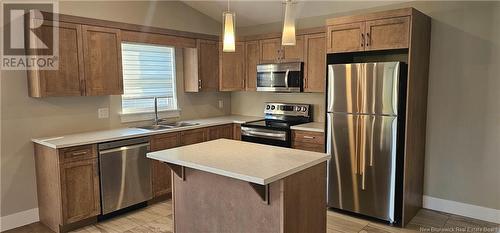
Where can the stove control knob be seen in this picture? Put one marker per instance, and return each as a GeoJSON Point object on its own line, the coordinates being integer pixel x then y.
{"type": "Point", "coordinates": [273, 107]}
{"type": "Point", "coordinates": [304, 109]}
{"type": "Point", "coordinates": [268, 107]}
{"type": "Point", "coordinates": [298, 108]}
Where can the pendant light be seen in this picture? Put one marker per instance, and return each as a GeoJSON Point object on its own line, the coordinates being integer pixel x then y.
{"type": "Point", "coordinates": [288, 35]}
{"type": "Point", "coordinates": [228, 35]}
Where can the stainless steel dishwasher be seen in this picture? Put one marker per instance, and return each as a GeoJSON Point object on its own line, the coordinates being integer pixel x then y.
{"type": "Point", "coordinates": [125, 173]}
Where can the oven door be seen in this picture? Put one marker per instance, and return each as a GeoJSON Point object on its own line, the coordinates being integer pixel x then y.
{"type": "Point", "coordinates": [266, 136]}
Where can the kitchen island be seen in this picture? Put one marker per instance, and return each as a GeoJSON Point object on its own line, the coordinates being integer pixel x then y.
{"type": "Point", "coordinates": [233, 186]}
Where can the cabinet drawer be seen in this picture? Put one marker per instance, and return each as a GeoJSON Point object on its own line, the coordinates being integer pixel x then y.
{"type": "Point", "coordinates": [77, 153]}
{"type": "Point", "coordinates": [308, 137]}
{"type": "Point", "coordinates": [309, 146]}
{"type": "Point", "coordinates": [164, 141]}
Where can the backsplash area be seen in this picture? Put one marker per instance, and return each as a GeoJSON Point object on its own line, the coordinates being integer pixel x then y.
{"type": "Point", "coordinates": [252, 103]}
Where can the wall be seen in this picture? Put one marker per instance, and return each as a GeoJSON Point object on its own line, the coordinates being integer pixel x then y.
{"type": "Point", "coordinates": [463, 129]}
{"type": "Point", "coordinates": [23, 118]}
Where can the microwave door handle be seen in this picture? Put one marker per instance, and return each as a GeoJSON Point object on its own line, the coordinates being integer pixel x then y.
{"type": "Point", "coordinates": [286, 77]}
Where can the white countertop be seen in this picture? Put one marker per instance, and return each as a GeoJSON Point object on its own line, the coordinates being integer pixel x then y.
{"type": "Point", "coordinates": [251, 162]}
{"type": "Point", "coordinates": [63, 141]}
{"type": "Point", "coordinates": [311, 126]}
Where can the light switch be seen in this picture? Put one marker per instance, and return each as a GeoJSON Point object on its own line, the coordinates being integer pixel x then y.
{"type": "Point", "coordinates": [103, 113]}
{"type": "Point", "coordinates": [221, 104]}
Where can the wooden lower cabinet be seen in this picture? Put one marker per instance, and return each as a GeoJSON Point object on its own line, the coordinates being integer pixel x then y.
{"type": "Point", "coordinates": [223, 131]}
{"type": "Point", "coordinates": [237, 131]}
{"type": "Point", "coordinates": [67, 186]}
{"type": "Point", "coordinates": [160, 172]}
{"type": "Point", "coordinates": [308, 140]}
{"type": "Point", "coordinates": [193, 136]}
{"type": "Point", "coordinates": [80, 190]}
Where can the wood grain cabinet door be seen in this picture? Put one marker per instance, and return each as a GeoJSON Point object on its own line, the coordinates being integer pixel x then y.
{"type": "Point", "coordinates": [208, 65]}
{"type": "Point", "coordinates": [252, 54]}
{"type": "Point", "coordinates": [315, 63]}
{"type": "Point", "coordinates": [232, 68]}
{"type": "Point", "coordinates": [67, 79]}
{"type": "Point", "coordinates": [103, 63]}
{"type": "Point", "coordinates": [80, 190]}
{"type": "Point", "coordinates": [270, 50]}
{"type": "Point", "coordinates": [346, 38]}
{"type": "Point", "coordinates": [160, 172]}
{"type": "Point", "coordinates": [193, 136]}
{"type": "Point", "coordinates": [294, 53]}
{"type": "Point", "coordinates": [237, 131]}
{"type": "Point", "coordinates": [223, 131]}
{"type": "Point", "coordinates": [393, 33]}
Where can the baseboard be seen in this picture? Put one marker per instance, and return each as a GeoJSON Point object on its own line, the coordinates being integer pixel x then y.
{"type": "Point", "coordinates": [18, 219]}
{"type": "Point", "coordinates": [463, 209]}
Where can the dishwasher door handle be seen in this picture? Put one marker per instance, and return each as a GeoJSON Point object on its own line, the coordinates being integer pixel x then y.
{"type": "Point", "coordinates": [123, 148]}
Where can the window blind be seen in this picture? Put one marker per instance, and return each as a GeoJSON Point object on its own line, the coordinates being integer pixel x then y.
{"type": "Point", "coordinates": [148, 72]}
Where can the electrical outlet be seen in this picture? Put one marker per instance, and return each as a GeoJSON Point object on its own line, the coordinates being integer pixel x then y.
{"type": "Point", "coordinates": [103, 113]}
{"type": "Point", "coordinates": [221, 104]}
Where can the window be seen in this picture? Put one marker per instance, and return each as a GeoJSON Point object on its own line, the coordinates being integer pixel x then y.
{"type": "Point", "coordinates": [148, 72]}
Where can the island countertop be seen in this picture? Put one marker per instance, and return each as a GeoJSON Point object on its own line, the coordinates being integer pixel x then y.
{"type": "Point", "coordinates": [251, 162]}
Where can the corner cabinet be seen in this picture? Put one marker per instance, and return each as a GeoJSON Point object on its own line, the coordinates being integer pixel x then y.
{"type": "Point", "coordinates": [89, 62]}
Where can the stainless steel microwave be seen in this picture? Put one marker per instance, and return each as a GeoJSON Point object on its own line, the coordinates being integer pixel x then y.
{"type": "Point", "coordinates": [280, 77]}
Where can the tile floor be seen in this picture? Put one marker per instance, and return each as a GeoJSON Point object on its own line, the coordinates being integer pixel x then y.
{"type": "Point", "coordinates": [157, 218]}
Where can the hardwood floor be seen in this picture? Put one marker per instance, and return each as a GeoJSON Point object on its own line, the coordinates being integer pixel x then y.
{"type": "Point", "coordinates": [157, 218]}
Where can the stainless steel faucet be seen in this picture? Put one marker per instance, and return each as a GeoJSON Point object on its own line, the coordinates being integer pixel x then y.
{"type": "Point", "coordinates": [157, 119]}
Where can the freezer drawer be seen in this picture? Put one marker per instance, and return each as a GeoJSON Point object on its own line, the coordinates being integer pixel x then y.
{"type": "Point", "coordinates": [363, 164]}
{"type": "Point", "coordinates": [364, 88]}
{"type": "Point", "coordinates": [125, 175]}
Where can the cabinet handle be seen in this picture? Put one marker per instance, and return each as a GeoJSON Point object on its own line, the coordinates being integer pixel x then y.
{"type": "Point", "coordinates": [199, 83]}
{"type": "Point", "coordinates": [368, 38]}
{"type": "Point", "coordinates": [309, 137]}
{"type": "Point", "coordinates": [362, 40]}
{"type": "Point", "coordinates": [78, 153]}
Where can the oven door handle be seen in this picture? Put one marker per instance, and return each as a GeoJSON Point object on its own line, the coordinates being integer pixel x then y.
{"type": "Point", "coordinates": [246, 131]}
{"type": "Point", "coordinates": [286, 77]}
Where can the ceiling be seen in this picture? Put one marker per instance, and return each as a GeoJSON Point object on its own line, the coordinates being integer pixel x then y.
{"type": "Point", "coordinates": [251, 13]}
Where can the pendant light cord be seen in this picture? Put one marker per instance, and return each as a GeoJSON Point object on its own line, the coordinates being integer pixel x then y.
{"type": "Point", "coordinates": [227, 5]}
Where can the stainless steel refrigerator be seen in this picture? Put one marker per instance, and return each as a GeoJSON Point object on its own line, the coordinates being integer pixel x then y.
{"type": "Point", "coordinates": [362, 130]}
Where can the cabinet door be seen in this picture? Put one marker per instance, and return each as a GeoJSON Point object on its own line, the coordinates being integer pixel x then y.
{"type": "Point", "coordinates": [103, 61]}
{"type": "Point", "coordinates": [67, 80]}
{"type": "Point", "coordinates": [208, 62]}
{"type": "Point", "coordinates": [270, 50]}
{"type": "Point", "coordinates": [237, 131]}
{"type": "Point", "coordinates": [310, 141]}
{"type": "Point", "coordinates": [160, 172]}
{"type": "Point", "coordinates": [295, 52]}
{"type": "Point", "coordinates": [252, 59]}
{"type": "Point", "coordinates": [80, 190]}
{"type": "Point", "coordinates": [391, 33]}
{"type": "Point", "coordinates": [223, 131]}
{"type": "Point", "coordinates": [346, 38]}
{"type": "Point", "coordinates": [315, 63]}
{"type": "Point", "coordinates": [193, 136]}
{"type": "Point", "coordinates": [232, 68]}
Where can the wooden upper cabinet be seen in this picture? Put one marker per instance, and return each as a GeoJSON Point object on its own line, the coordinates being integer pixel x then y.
{"type": "Point", "coordinates": [68, 78]}
{"type": "Point", "coordinates": [294, 52]}
{"type": "Point", "coordinates": [80, 190]}
{"type": "Point", "coordinates": [393, 33]}
{"type": "Point", "coordinates": [232, 68]}
{"type": "Point", "coordinates": [102, 59]}
{"type": "Point", "coordinates": [315, 62]}
{"type": "Point", "coordinates": [270, 50]}
{"type": "Point", "coordinates": [208, 65]}
{"type": "Point", "coordinates": [252, 54]}
{"type": "Point", "coordinates": [346, 38]}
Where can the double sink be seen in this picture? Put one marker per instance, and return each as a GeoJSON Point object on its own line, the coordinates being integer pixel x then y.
{"type": "Point", "coordinates": [161, 126]}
